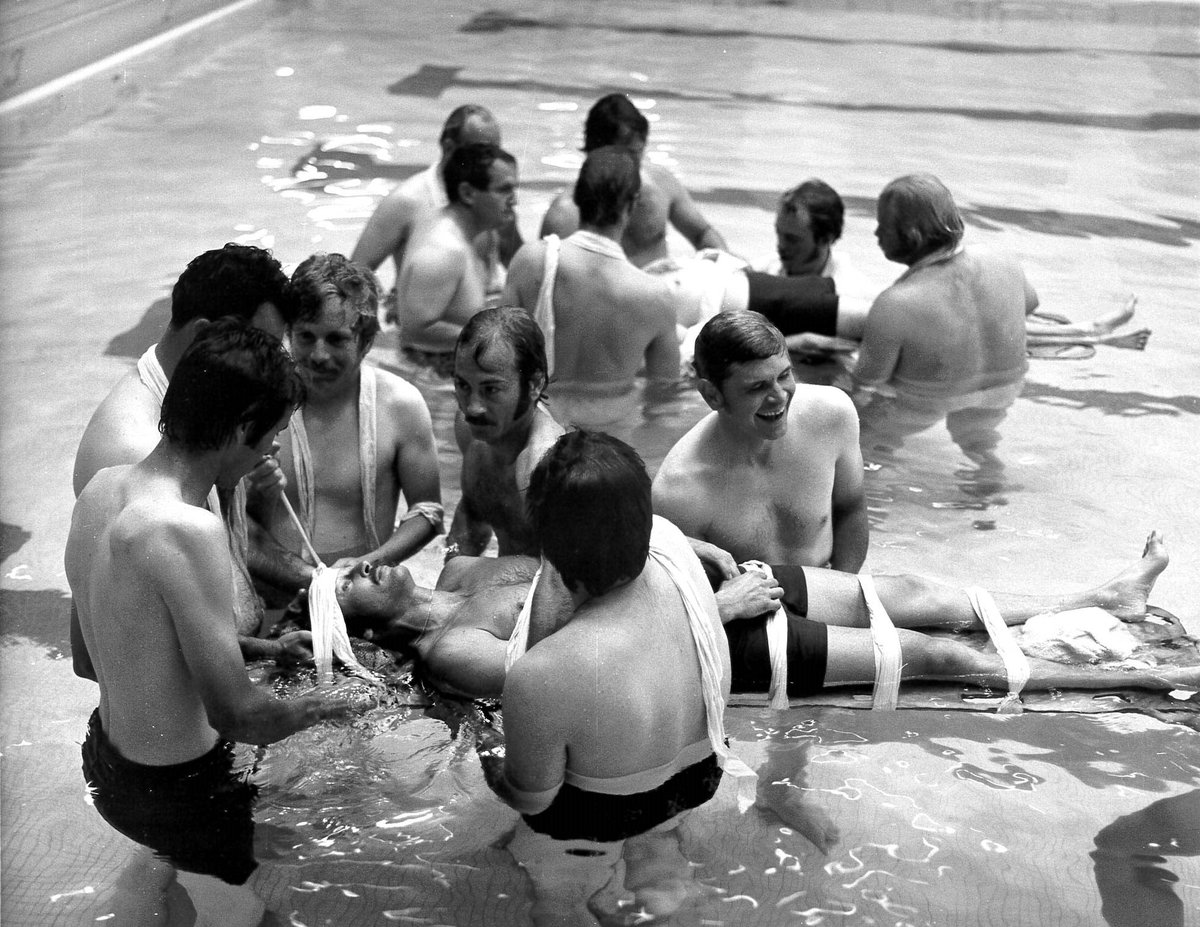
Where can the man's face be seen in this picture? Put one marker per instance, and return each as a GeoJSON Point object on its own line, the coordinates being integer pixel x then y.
{"type": "Point", "coordinates": [887, 232]}
{"type": "Point", "coordinates": [248, 456]}
{"type": "Point", "coordinates": [798, 250]}
{"type": "Point", "coordinates": [373, 593]}
{"type": "Point", "coordinates": [494, 206]}
{"type": "Point", "coordinates": [269, 319]}
{"type": "Point", "coordinates": [756, 396]}
{"type": "Point", "coordinates": [490, 394]}
{"type": "Point", "coordinates": [326, 349]}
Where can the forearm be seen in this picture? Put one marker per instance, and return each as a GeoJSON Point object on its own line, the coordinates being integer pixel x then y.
{"type": "Point", "coordinates": [264, 720]}
{"type": "Point", "coordinates": [258, 648]}
{"type": "Point", "coordinates": [709, 238]}
{"type": "Point", "coordinates": [851, 536]}
{"type": "Point", "coordinates": [269, 561]}
{"type": "Point", "coordinates": [408, 538]}
{"type": "Point", "coordinates": [467, 534]}
{"type": "Point", "coordinates": [552, 605]}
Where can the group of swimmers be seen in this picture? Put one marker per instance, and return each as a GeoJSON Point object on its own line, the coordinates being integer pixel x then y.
{"type": "Point", "coordinates": [620, 610]}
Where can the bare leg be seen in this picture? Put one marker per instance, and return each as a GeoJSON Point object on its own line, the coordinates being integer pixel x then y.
{"type": "Point", "coordinates": [851, 661]}
{"type": "Point", "coordinates": [1098, 327]}
{"type": "Point", "coordinates": [917, 602]}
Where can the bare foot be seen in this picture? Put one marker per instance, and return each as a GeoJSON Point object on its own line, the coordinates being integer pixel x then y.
{"type": "Point", "coordinates": [1135, 340]}
{"type": "Point", "coordinates": [1110, 322]}
{"type": "Point", "coordinates": [1125, 595]}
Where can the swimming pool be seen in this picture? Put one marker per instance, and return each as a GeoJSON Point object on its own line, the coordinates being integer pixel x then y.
{"type": "Point", "coordinates": [1061, 129]}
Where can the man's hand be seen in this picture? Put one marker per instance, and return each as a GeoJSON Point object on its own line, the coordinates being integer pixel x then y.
{"type": "Point", "coordinates": [748, 595]}
{"type": "Point", "coordinates": [267, 480]}
{"type": "Point", "coordinates": [295, 647]}
{"type": "Point", "coordinates": [716, 560]}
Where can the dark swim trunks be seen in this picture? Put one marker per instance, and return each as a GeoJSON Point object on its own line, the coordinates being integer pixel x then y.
{"type": "Point", "coordinates": [196, 815]}
{"type": "Point", "coordinates": [807, 647]}
{"type": "Point", "coordinates": [577, 814]}
{"type": "Point", "coordinates": [795, 304]}
{"type": "Point", "coordinates": [440, 362]}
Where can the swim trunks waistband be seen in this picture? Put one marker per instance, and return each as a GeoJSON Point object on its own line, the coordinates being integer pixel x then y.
{"type": "Point", "coordinates": [440, 362]}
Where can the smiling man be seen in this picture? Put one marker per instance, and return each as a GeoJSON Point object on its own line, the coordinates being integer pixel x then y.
{"type": "Point", "coordinates": [442, 280]}
{"type": "Point", "coordinates": [364, 437]}
{"type": "Point", "coordinates": [774, 472]}
{"type": "Point", "coordinates": [502, 429]}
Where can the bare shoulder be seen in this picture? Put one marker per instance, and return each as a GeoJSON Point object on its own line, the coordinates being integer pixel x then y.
{"type": "Point", "coordinates": [562, 216]}
{"type": "Point", "coordinates": [824, 407]}
{"type": "Point", "coordinates": [664, 179]}
{"type": "Point", "coordinates": [399, 402]}
{"type": "Point", "coordinates": [122, 430]}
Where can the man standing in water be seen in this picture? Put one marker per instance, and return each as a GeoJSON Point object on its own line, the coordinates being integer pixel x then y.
{"type": "Point", "coordinates": [947, 339]}
{"type": "Point", "coordinates": [242, 282]}
{"type": "Point", "coordinates": [149, 569]}
{"type": "Point", "coordinates": [364, 436]}
{"type": "Point", "coordinates": [390, 226]}
{"type": "Point", "coordinates": [502, 429]}
{"type": "Point", "coordinates": [443, 281]}
{"type": "Point", "coordinates": [774, 472]}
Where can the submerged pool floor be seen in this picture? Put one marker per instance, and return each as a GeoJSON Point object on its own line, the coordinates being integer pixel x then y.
{"type": "Point", "coordinates": [1064, 129]}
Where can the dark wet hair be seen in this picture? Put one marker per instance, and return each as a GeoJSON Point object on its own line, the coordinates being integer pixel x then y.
{"type": "Point", "coordinates": [231, 375]}
{"type": "Point", "coordinates": [452, 129]}
{"type": "Point", "coordinates": [324, 275]}
{"type": "Point", "coordinates": [234, 280]}
{"type": "Point", "coordinates": [826, 211]}
{"type": "Point", "coordinates": [589, 506]}
{"type": "Point", "coordinates": [509, 325]}
{"type": "Point", "coordinates": [611, 121]}
{"type": "Point", "coordinates": [608, 182]}
{"type": "Point", "coordinates": [735, 337]}
{"type": "Point", "coordinates": [473, 164]}
{"type": "Point", "coordinates": [926, 216]}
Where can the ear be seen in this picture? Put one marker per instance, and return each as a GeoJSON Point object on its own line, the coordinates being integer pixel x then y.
{"type": "Point", "coordinates": [197, 327]}
{"type": "Point", "coordinates": [466, 193]}
{"type": "Point", "coordinates": [537, 383]}
{"type": "Point", "coordinates": [711, 394]}
{"type": "Point", "coordinates": [240, 433]}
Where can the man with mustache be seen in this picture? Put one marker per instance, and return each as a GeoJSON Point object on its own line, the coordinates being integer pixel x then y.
{"type": "Point", "coordinates": [364, 437]}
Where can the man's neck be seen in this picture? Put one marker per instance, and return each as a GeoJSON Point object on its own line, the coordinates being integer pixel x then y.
{"type": "Point", "coordinates": [813, 267]}
{"type": "Point", "coordinates": [741, 445]}
{"type": "Point", "coordinates": [193, 474]}
{"type": "Point", "coordinates": [171, 346]}
{"type": "Point", "coordinates": [612, 232]}
{"type": "Point", "coordinates": [335, 399]}
{"type": "Point", "coordinates": [465, 220]}
{"type": "Point", "coordinates": [510, 445]}
{"type": "Point", "coordinates": [422, 613]}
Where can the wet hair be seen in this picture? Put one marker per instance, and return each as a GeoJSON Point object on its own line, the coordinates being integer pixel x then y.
{"type": "Point", "coordinates": [234, 280]}
{"type": "Point", "coordinates": [513, 326]}
{"type": "Point", "coordinates": [322, 276]}
{"type": "Point", "coordinates": [589, 506]}
{"type": "Point", "coordinates": [608, 182]}
{"type": "Point", "coordinates": [231, 375]}
{"type": "Point", "coordinates": [925, 214]}
{"type": "Point", "coordinates": [452, 129]}
{"type": "Point", "coordinates": [473, 164]}
{"type": "Point", "coordinates": [612, 120]}
{"type": "Point", "coordinates": [739, 336]}
{"type": "Point", "coordinates": [826, 211]}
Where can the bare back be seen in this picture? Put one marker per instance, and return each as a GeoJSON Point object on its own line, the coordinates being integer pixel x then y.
{"type": "Point", "coordinates": [949, 329]}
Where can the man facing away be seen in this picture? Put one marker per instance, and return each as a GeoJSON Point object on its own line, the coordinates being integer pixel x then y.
{"type": "Point", "coordinates": [502, 429]}
{"type": "Point", "coordinates": [149, 565]}
{"type": "Point", "coordinates": [240, 281]}
{"type": "Point", "coordinates": [442, 280]}
{"type": "Point", "coordinates": [604, 319]}
{"type": "Point", "coordinates": [947, 339]}
{"type": "Point", "coordinates": [388, 230]}
{"type": "Point", "coordinates": [774, 472]}
{"type": "Point", "coordinates": [363, 438]}
{"type": "Point", "coordinates": [614, 120]}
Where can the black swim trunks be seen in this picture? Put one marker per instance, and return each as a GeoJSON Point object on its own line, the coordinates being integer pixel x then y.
{"type": "Point", "coordinates": [807, 647]}
{"type": "Point", "coordinates": [196, 815]}
{"type": "Point", "coordinates": [577, 814]}
{"type": "Point", "coordinates": [795, 304]}
{"type": "Point", "coordinates": [440, 362]}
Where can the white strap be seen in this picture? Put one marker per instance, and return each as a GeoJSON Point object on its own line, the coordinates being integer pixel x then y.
{"type": "Point", "coordinates": [543, 312]}
{"type": "Point", "coordinates": [150, 372]}
{"type": "Point", "coordinates": [1016, 666]}
{"type": "Point", "coordinates": [777, 641]}
{"type": "Point", "coordinates": [518, 641]}
{"type": "Point", "coordinates": [886, 643]}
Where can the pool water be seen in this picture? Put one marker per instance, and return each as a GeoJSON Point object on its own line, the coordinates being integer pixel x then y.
{"type": "Point", "coordinates": [1065, 131]}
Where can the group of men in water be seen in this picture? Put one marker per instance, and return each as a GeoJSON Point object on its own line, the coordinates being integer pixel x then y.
{"type": "Point", "coordinates": [619, 610]}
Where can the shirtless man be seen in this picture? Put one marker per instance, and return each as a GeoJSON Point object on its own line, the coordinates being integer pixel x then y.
{"type": "Point", "coordinates": [363, 437]}
{"type": "Point", "coordinates": [460, 629]}
{"type": "Point", "coordinates": [442, 280]}
{"type": "Point", "coordinates": [603, 318]}
{"type": "Point", "coordinates": [614, 120]}
{"type": "Point", "coordinates": [774, 472]}
{"type": "Point", "coordinates": [947, 339]}
{"type": "Point", "coordinates": [149, 566]}
{"type": "Point", "coordinates": [246, 283]}
{"type": "Point", "coordinates": [502, 429]}
{"type": "Point", "coordinates": [390, 226]}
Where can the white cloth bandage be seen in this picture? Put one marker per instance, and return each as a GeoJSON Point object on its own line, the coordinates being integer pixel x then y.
{"type": "Point", "coordinates": [777, 642]}
{"type": "Point", "coordinates": [330, 638]}
{"type": "Point", "coordinates": [306, 485]}
{"type": "Point", "coordinates": [886, 643]}
{"type": "Point", "coordinates": [518, 641]}
{"type": "Point", "coordinates": [1016, 665]}
{"type": "Point", "coordinates": [432, 512]}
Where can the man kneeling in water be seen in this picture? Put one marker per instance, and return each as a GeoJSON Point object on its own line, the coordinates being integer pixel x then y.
{"type": "Point", "coordinates": [460, 628]}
